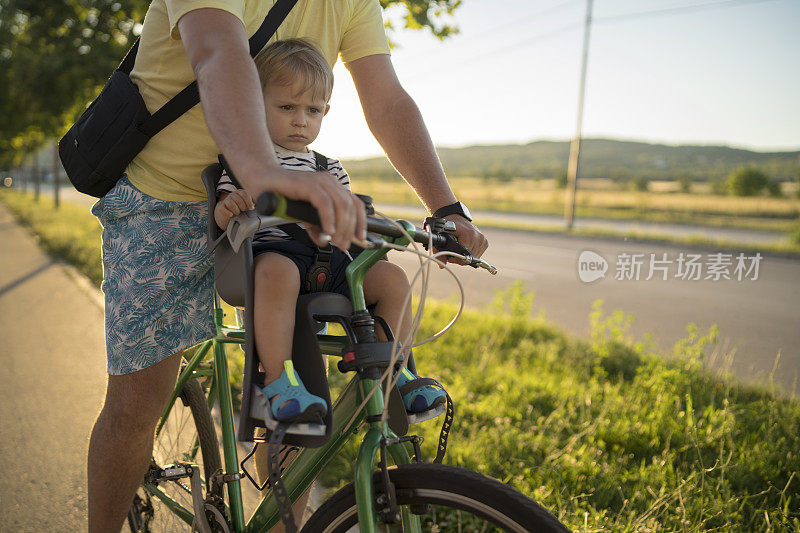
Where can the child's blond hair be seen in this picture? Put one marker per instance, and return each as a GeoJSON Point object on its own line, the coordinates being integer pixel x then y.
{"type": "Point", "coordinates": [291, 60]}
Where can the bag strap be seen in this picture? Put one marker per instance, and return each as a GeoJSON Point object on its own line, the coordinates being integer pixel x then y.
{"type": "Point", "coordinates": [189, 95]}
{"type": "Point", "coordinates": [321, 161]}
{"type": "Point", "coordinates": [127, 62]}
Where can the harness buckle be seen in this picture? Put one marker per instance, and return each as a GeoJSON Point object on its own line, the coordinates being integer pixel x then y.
{"type": "Point", "coordinates": [318, 278]}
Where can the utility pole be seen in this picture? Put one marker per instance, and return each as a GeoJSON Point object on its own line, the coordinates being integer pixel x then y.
{"type": "Point", "coordinates": [575, 146]}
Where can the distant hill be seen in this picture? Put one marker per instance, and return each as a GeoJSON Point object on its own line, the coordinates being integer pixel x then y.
{"type": "Point", "coordinates": [600, 158]}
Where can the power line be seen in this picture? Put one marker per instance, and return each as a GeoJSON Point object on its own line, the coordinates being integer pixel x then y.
{"type": "Point", "coordinates": [504, 27]}
{"type": "Point", "coordinates": [494, 53]}
{"type": "Point", "coordinates": [539, 14]}
{"type": "Point", "coordinates": [679, 9]}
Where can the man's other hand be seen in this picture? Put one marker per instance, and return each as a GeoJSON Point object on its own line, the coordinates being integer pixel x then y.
{"type": "Point", "coordinates": [468, 236]}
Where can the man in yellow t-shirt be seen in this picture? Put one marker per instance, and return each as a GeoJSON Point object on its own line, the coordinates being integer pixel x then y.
{"type": "Point", "coordinates": [206, 40]}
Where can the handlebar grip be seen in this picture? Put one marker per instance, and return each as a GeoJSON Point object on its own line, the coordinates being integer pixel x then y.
{"type": "Point", "coordinates": [301, 210]}
{"type": "Point", "coordinates": [266, 203]}
{"type": "Point", "coordinates": [452, 245]}
{"type": "Point", "coordinates": [269, 203]}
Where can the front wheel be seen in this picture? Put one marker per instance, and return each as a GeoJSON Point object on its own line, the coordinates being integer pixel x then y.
{"type": "Point", "coordinates": [447, 499]}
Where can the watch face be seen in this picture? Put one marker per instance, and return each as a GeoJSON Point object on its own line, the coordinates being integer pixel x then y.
{"type": "Point", "coordinates": [465, 210]}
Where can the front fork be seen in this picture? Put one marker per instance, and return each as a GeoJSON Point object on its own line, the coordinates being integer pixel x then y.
{"type": "Point", "coordinates": [368, 513]}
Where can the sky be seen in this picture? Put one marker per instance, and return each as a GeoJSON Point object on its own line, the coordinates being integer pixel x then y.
{"type": "Point", "coordinates": [669, 71]}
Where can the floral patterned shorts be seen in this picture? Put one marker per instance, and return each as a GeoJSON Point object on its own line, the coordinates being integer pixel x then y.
{"type": "Point", "coordinates": [158, 278]}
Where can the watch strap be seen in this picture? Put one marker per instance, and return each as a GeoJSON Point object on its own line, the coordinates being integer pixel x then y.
{"type": "Point", "coordinates": [452, 209]}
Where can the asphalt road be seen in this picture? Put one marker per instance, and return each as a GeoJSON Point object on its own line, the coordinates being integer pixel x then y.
{"type": "Point", "coordinates": [53, 376]}
{"type": "Point", "coordinates": [757, 318]}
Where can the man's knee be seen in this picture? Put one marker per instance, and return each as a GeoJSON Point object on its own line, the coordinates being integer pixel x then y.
{"type": "Point", "coordinates": [134, 401]}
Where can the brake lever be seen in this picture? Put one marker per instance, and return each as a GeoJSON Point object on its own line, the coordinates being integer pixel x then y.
{"type": "Point", "coordinates": [452, 245]}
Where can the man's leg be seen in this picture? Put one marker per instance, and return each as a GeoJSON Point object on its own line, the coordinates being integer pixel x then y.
{"type": "Point", "coordinates": [121, 444]}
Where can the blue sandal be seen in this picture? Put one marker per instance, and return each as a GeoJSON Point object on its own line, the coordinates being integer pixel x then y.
{"type": "Point", "coordinates": [421, 397]}
{"type": "Point", "coordinates": [289, 401]}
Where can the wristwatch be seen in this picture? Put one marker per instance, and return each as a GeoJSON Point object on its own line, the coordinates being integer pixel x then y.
{"type": "Point", "coordinates": [457, 208]}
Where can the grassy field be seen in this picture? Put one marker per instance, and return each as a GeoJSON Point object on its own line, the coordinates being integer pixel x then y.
{"type": "Point", "coordinates": [662, 204]}
{"type": "Point", "coordinates": [606, 433]}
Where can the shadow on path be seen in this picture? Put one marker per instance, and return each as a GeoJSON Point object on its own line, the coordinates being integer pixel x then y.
{"type": "Point", "coordinates": [19, 281]}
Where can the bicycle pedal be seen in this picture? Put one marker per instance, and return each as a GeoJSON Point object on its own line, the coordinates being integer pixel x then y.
{"type": "Point", "coordinates": [430, 414]}
{"type": "Point", "coordinates": [170, 472]}
{"type": "Point", "coordinates": [259, 409]}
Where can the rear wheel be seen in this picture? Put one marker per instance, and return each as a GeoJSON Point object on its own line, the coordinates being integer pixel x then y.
{"type": "Point", "coordinates": [446, 499]}
{"type": "Point", "coordinates": [187, 436]}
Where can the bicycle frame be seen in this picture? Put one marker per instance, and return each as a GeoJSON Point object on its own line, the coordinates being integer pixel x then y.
{"type": "Point", "coordinates": [302, 471]}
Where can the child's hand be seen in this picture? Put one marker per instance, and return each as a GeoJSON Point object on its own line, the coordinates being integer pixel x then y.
{"type": "Point", "coordinates": [231, 204]}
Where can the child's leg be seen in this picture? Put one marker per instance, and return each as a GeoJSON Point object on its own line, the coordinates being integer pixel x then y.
{"type": "Point", "coordinates": [277, 284]}
{"type": "Point", "coordinates": [386, 286]}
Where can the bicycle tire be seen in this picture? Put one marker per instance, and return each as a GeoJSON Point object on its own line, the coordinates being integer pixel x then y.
{"type": "Point", "coordinates": [174, 444]}
{"type": "Point", "coordinates": [450, 492]}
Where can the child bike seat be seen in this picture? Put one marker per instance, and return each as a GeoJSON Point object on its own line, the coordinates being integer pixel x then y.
{"type": "Point", "coordinates": [233, 278]}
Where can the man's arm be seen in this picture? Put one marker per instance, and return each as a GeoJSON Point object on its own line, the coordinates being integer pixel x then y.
{"type": "Point", "coordinates": [233, 105]}
{"type": "Point", "coordinates": [395, 121]}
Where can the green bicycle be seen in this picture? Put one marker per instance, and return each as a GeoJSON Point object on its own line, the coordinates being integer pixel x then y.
{"type": "Point", "coordinates": [189, 487]}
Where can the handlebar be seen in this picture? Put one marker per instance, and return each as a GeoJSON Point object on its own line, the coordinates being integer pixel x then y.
{"type": "Point", "coordinates": [272, 204]}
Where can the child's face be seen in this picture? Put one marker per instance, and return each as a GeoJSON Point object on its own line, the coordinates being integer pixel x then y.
{"type": "Point", "coordinates": [293, 117]}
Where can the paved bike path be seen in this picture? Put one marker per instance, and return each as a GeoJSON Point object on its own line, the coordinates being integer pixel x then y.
{"type": "Point", "coordinates": [52, 382]}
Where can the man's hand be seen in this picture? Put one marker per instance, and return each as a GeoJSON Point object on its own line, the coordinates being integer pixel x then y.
{"type": "Point", "coordinates": [468, 236]}
{"type": "Point", "coordinates": [341, 213]}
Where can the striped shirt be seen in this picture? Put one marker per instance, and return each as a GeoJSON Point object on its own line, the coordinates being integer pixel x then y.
{"type": "Point", "coordinates": [303, 161]}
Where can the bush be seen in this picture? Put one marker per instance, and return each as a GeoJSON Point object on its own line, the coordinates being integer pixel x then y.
{"type": "Point", "coordinates": [685, 184]}
{"type": "Point", "coordinates": [641, 184]}
{"type": "Point", "coordinates": [747, 181]}
{"type": "Point", "coordinates": [774, 189]}
{"type": "Point", "coordinates": [794, 233]}
{"type": "Point", "coordinates": [561, 180]}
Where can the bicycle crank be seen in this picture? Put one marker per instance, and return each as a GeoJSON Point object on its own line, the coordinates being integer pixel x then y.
{"type": "Point", "coordinates": [215, 516]}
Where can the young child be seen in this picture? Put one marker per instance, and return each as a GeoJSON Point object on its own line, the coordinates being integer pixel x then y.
{"type": "Point", "coordinates": [297, 83]}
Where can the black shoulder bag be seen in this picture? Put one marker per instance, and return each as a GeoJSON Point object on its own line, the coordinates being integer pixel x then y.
{"type": "Point", "coordinates": [117, 125]}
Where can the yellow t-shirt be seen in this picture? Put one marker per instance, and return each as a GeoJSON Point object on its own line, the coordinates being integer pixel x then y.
{"type": "Point", "coordinates": [169, 167]}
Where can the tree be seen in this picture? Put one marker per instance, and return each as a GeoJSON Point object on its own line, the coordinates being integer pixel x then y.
{"type": "Point", "coordinates": [685, 183]}
{"type": "Point", "coordinates": [774, 189]}
{"type": "Point", "coordinates": [56, 54]}
{"type": "Point", "coordinates": [641, 184]}
{"type": "Point", "coordinates": [424, 14]}
{"type": "Point", "coordinates": [561, 180]}
{"type": "Point", "coordinates": [797, 190]}
{"type": "Point", "coordinates": [747, 181]}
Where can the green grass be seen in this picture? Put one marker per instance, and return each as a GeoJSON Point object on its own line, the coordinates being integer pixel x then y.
{"type": "Point", "coordinates": [606, 433]}
{"type": "Point", "coordinates": [70, 233]}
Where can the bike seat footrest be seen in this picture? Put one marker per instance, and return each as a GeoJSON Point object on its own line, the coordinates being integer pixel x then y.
{"type": "Point", "coordinates": [259, 409]}
{"type": "Point", "coordinates": [416, 418]}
